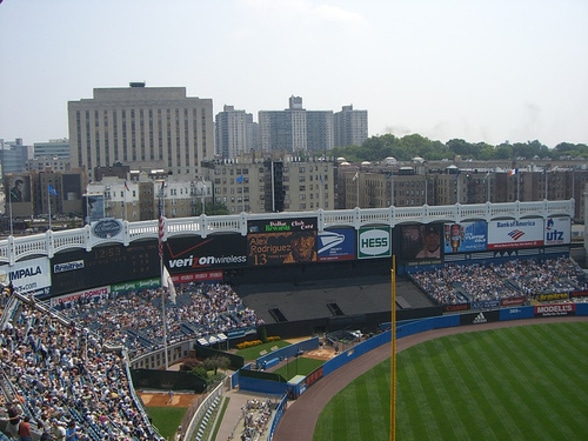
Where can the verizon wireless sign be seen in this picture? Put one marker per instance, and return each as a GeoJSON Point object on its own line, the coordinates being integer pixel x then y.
{"type": "Point", "coordinates": [555, 310]}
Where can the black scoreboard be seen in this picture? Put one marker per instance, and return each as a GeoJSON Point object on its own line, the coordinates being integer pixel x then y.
{"type": "Point", "coordinates": [78, 270]}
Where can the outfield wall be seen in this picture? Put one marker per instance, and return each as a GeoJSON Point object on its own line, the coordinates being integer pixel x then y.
{"type": "Point", "coordinates": [405, 329]}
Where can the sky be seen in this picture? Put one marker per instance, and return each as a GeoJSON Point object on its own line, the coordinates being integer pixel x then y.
{"type": "Point", "coordinates": [483, 71]}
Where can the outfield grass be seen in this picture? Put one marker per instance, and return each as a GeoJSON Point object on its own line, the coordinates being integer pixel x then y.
{"type": "Point", "coordinates": [166, 419]}
{"type": "Point", "coordinates": [302, 366]}
{"type": "Point", "coordinates": [255, 352]}
{"type": "Point", "coordinates": [520, 383]}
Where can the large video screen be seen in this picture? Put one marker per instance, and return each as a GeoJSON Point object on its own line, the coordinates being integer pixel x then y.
{"type": "Point", "coordinates": [281, 242]}
{"type": "Point", "coordinates": [465, 237]}
{"type": "Point", "coordinates": [419, 242]}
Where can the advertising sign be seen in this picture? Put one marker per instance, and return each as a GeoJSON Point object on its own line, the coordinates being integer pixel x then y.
{"type": "Point", "coordinates": [555, 310]}
{"type": "Point", "coordinates": [93, 207]}
{"type": "Point", "coordinates": [374, 242]}
{"type": "Point", "coordinates": [516, 313]}
{"type": "Point", "coordinates": [522, 233]}
{"type": "Point", "coordinates": [136, 285]}
{"type": "Point", "coordinates": [199, 277]}
{"type": "Point", "coordinates": [19, 188]}
{"type": "Point", "coordinates": [27, 275]}
{"type": "Point", "coordinates": [485, 304]}
{"type": "Point", "coordinates": [558, 231]}
{"type": "Point", "coordinates": [336, 244]}
{"type": "Point", "coordinates": [189, 254]}
{"type": "Point", "coordinates": [76, 270]}
{"type": "Point", "coordinates": [102, 291]}
{"type": "Point", "coordinates": [465, 237]}
{"type": "Point", "coordinates": [277, 242]}
{"type": "Point", "coordinates": [478, 318]}
{"type": "Point", "coordinates": [420, 242]}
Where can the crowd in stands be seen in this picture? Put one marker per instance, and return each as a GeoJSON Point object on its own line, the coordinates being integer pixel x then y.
{"type": "Point", "coordinates": [133, 319]}
{"type": "Point", "coordinates": [65, 373]}
{"type": "Point", "coordinates": [457, 284]}
{"type": "Point", "coordinates": [60, 372]}
{"type": "Point", "coordinates": [256, 416]}
{"type": "Point", "coordinates": [58, 378]}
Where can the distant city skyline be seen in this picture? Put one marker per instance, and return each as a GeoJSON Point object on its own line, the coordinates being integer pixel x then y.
{"type": "Point", "coordinates": [480, 71]}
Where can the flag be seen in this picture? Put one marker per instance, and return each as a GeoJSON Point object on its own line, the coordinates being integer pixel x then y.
{"type": "Point", "coordinates": [321, 178]}
{"type": "Point", "coordinates": [240, 179]}
{"type": "Point", "coordinates": [126, 186]}
{"type": "Point", "coordinates": [356, 176]}
{"type": "Point", "coordinates": [167, 282]}
{"type": "Point", "coordinates": [52, 190]}
{"type": "Point", "coordinates": [513, 171]}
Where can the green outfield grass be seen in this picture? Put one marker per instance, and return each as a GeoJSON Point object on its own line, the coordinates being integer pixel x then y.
{"type": "Point", "coordinates": [302, 366]}
{"type": "Point", "coordinates": [166, 419]}
{"type": "Point", "coordinates": [520, 383]}
{"type": "Point", "coordinates": [255, 352]}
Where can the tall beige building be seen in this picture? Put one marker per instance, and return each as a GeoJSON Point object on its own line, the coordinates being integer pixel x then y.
{"type": "Point", "coordinates": [143, 127]}
{"type": "Point", "coordinates": [272, 184]}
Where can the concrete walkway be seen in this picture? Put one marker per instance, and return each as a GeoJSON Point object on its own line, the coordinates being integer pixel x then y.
{"type": "Point", "coordinates": [232, 423]}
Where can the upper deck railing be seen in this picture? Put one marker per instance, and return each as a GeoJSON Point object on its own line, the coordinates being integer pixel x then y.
{"type": "Point", "coordinates": [15, 248]}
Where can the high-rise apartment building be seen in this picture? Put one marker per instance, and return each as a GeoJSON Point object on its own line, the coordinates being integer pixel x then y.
{"type": "Point", "coordinates": [295, 130]}
{"type": "Point", "coordinates": [55, 148]}
{"type": "Point", "coordinates": [143, 127]}
{"type": "Point", "coordinates": [256, 185]}
{"type": "Point", "coordinates": [319, 130]}
{"type": "Point", "coordinates": [235, 133]}
{"type": "Point", "coordinates": [13, 156]}
{"type": "Point", "coordinates": [351, 127]}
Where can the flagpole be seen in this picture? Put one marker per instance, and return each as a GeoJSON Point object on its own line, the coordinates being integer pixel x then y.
{"type": "Point", "coordinates": [10, 209]}
{"type": "Point", "coordinates": [125, 200]}
{"type": "Point", "coordinates": [49, 206]}
{"type": "Point", "coordinates": [357, 188]}
{"type": "Point", "coordinates": [163, 291]}
{"type": "Point", "coordinates": [321, 192]}
{"type": "Point", "coordinates": [393, 356]}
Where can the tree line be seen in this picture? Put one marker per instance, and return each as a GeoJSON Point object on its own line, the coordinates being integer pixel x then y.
{"type": "Point", "coordinates": [376, 148]}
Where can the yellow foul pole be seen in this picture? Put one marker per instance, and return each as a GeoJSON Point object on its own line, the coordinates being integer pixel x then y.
{"type": "Point", "coordinates": [393, 358]}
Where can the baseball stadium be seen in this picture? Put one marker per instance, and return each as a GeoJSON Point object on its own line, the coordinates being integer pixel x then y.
{"type": "Point", "coordinates": [444, 322]}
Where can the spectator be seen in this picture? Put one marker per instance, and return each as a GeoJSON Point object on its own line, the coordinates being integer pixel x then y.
{"type": "Point", "coordinates": [24, 429]}
{"type": "Point", "coordinates": [13, 419]}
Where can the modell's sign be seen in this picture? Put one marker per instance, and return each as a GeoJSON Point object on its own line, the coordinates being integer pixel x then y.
{"type": "Point", "coordinates": [555, 309]}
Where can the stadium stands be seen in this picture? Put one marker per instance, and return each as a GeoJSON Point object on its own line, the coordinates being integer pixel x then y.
{"type": "Point", "coordinates": [460, 284]}
{"type": "Point", "coordinates": [59, 366]}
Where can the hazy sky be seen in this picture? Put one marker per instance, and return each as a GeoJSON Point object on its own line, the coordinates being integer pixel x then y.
{"type": "Point", "coordinates": [492, 70]}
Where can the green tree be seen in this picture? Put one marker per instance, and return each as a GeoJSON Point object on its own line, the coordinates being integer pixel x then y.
{"type": "Point", "coordinates": [201, 372]}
